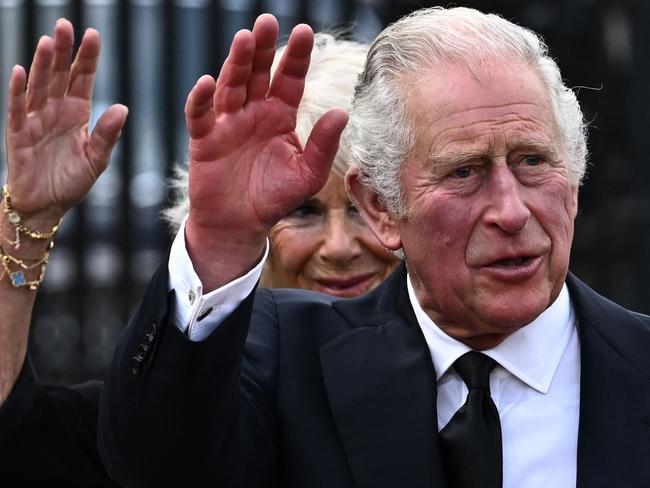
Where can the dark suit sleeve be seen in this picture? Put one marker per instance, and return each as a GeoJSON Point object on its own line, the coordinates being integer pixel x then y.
{"type": "Point", "coordinates": [178, 413]}
{"type": "Point", "coordinates": [48, 435]}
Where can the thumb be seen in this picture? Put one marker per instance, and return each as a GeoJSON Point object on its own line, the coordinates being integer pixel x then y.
{"type": "Point", "coordinates": [106, 133]}
{"type": "Point", "coordinates": [323, 142]}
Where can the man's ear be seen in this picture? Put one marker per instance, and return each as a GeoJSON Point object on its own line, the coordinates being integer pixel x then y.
{"type": "Point", "coordinates": [379, 219]}
{"type": "Point", "coordinates": [574, 200]}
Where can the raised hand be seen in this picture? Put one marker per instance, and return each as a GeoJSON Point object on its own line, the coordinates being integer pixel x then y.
{"type": "Point", "coordinates": [52, 164]}
{"type": "Point", "coordinates": [52, 160]}
{"type": "Point", "coordinates": [247, 166]}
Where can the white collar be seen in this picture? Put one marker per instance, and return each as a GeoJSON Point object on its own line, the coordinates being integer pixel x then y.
{"type": "Point", "coordinates": [532, 353]}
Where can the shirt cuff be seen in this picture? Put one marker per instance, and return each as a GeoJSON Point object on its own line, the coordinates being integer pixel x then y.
{"type": "Point", "coordinates": [196, 314]}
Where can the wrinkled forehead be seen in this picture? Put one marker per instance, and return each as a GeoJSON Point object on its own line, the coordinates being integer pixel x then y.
{"type": "Point", "coordinates": [463, 93]}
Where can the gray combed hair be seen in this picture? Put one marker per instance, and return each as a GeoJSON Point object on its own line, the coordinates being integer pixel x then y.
{"type": "Point", "coordinates": [334, 71]}
{"type": "Point", "coordinates": [432, 39]}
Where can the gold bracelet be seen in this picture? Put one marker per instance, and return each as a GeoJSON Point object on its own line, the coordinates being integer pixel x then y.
{"type": "Point", "coordinates": [17, 278]}
{"type": "Point", "coordinates": [16, 220]}
{"type": "Point", "coordinates": [21, 262]}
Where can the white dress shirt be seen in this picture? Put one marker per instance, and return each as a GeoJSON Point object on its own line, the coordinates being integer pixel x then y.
{"type": "Point", "coordinates": [196, 314]}
{"type": "Point", "coordinates": [536, 385]}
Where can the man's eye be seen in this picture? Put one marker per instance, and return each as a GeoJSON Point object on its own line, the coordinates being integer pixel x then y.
{"type": "Point", "coordinates": [533, 160]}
{"type": "Point", "coordinates": [464, 172]}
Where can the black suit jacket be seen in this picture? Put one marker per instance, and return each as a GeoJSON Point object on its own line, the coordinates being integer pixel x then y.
{"type": "Point", "coordinates": [303, 390]}
{"type": "Point", "coordinates": [48, 435]}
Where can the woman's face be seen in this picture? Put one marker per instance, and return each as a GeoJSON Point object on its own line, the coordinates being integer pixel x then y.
{"type": "Point", "coordinates": [324, 245]}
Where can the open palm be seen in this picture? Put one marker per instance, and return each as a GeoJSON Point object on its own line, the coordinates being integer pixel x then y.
{"type": "Point", "coordinates": [52, 159]}
{"type": "Point", "coordinates": [247, 166]}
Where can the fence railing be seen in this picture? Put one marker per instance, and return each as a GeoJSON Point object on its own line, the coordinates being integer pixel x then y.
{"type": "Point", "coordinates": [154, 50]}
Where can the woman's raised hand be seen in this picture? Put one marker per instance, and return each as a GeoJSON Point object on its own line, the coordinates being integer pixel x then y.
{"type": "Point", "coordinates": [52, 159]}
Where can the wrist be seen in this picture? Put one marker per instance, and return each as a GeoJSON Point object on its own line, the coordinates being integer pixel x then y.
{"type": "Point", "coordinates": [219, 257]}
{"type": "Point", "coordinates": [40, 226]}
{"type": "Point", "coordinates": [24, 250]}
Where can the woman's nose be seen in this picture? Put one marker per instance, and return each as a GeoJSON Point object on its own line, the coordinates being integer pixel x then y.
{"type": "Point", "coordinates": [340, 242]}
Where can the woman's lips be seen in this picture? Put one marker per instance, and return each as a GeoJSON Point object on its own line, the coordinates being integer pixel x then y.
{"type": "Point", "coordinates": [345, 287]}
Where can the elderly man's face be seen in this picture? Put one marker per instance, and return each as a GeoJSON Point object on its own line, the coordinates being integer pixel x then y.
{"type": "Point", "coordinates": [490, 206]}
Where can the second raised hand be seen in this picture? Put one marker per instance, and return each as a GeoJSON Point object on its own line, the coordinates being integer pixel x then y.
{"type": "Point", "coordinates": [52, 159]}
{"type": "Point", "coordinates": [247, 166]}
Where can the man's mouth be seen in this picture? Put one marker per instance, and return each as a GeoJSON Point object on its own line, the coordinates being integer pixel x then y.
{"type": "Point", "coordinates": [518, 261]}
{"type": "Point", "coordinates": [513, 268]}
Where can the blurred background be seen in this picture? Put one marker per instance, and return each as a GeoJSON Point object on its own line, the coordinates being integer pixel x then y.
{"type": "Point", "coordinates": [153, 51]}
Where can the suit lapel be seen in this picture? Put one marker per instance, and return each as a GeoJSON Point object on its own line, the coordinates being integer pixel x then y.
{"type": "Point", "coordinates": [614, 432]}
{"type": "Point", "coordinates": [381, 388]}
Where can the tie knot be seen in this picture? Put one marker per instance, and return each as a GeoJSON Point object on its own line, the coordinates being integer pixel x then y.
{"type": "Point", "coordinates": [475, 367]}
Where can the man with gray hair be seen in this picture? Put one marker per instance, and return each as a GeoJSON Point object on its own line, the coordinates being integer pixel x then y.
{"type": "Point", "coordinates": [482, 362]}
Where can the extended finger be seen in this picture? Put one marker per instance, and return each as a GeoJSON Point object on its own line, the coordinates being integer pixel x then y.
{"type": "Point", "coordinates": [16, 114]}
{"type": "Point", "coordinates": [39, 74]}
{"type": "Point", "coordinates": [199, 115]}
{"type": "Point", "coordinates": [289, 78]}
{"type": "Point", "coordinates": [265, 32]}
{"type": "Point", "coordinates": [323, 143]}
{"type": "Point", "coordinates": [231, 91]}
{"type": "Point", "coordinates": [63, 43]}
{"type": "Point", "coordinates": [103, 138]}
{"type": "Point", "coordinates": [82, 73]}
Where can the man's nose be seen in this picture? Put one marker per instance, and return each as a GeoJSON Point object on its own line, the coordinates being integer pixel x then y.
{"type": "Point", "coordinates": [507, 208]}
{"type": "Point", "coordinates": [341, 242]}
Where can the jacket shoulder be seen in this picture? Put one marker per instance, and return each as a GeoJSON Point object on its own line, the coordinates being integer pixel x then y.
{"type": "Point", "coordinates": [625, 331]}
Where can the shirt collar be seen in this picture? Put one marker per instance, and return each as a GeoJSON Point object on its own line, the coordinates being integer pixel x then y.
{"type": "Point", "coordinates": [532, 353]}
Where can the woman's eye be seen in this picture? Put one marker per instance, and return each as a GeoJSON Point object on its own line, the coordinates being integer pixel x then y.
{"type": "Point", "coordinates": [305, 211]}
{"type": "Point", "coordinates": [354, 215]}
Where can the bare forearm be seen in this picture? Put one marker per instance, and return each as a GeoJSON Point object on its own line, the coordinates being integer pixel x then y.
{"type": "Point", "coordinates": [14, 330]}
{"type": "Point", "coordinates": [17, 301]}
{"type": "Point", "coordinates": [52, 162]}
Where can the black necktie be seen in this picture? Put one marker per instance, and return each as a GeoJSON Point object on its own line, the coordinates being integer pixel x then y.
{"type": "Point", "coordinates": [471, 441]}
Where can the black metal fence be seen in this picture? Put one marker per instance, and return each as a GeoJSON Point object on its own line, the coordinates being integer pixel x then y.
{"type": "Point", "coordinates": [153, 52]}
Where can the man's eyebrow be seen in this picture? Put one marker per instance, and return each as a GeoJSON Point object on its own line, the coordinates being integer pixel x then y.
{"type": "Point", "coordinates": [540, 146]}
{"type": "Point", "coordinates": [453, 159]}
